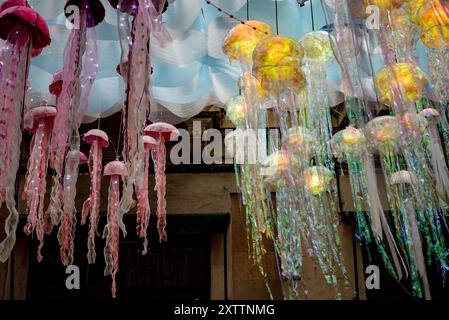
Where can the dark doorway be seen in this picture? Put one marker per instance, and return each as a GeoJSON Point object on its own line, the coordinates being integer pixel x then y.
{"type": "Point", "coordinates": [178, 269]}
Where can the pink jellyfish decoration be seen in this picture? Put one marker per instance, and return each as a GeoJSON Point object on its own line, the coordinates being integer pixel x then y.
{"type": "Point", "coordinates": [72, 86]}
{"type": "Point", "coordinates": [143, 204]}
{"type": "Point", "coordinates": [35, 182]}
{"type": "Point", "coordinates": [25, 33]}
{"type": "Point", "coordinates": [98, 140]}
{"type": "Point", "coordinates": [115, 170]}
{"type": "Point", "coordinates": [161, 132]}
{"type": "Point", "coordinates": [66, 232]}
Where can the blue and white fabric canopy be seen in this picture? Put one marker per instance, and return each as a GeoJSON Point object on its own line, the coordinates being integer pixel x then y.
{"type": "Point", "coordinates": [191, 72]}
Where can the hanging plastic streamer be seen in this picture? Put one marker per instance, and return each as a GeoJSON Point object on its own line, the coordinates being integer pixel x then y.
{"type": "Point", "coordinates": [248, 112]}
{"type": "Point", "coordinates": [161, 132]}
{"type": "Point", "coordinates": [25, 34]}
{"type": "Point", "coordinates": [80, 54]}
{"type": "Point", "coordinates": [98, 140]}
{"type": "Point", "coordinates": [136, 70]}
{"type": "Point", "coordinates": [116, 170]}
{"type": "Point", "coordinates": [36, 177]}
{"type": "Point", "coordinates": [143, 203]}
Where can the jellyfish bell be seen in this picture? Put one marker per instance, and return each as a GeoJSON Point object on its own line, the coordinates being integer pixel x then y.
{"type": "Point", "coordinates": [403, 177]}
{"type": "Point", "coordinates": [300, 140]}
{"type": "Point", "coordinates": [405, 79]}
{"type": "Point", "coordinates": [277, 64]}
{"type": "Point", "coordinates": [275, 169]}
{"type": "Point", "coordinates": [13, 11]}
{"type": "Point", "coordinates": [433, 20]}
{"type": "Point", "coordinates": [383, 132]}
{"type": "Point", "coordinates": [241, 40]}
{"type": "Point", "coordinates": [97, 135]}
{"type": "Point", "coordinates": [348, 141]}
{"type": "Point", "coordinates": [96, 11]}
{"type": "Point", "coordinates": [318, 179]}
{"type": "Point", "coordinates": [317, 46]}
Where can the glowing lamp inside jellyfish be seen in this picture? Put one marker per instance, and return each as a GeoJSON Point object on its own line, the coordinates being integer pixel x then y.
{"type": "Point", "coordinates": [383, 131]}
{"type": "Point", "coordinates": [433, 19]}
{"type": "Point", "coordinates": [236, 110]}
{"type": "Point", "coordinates": [348, 141]}
{"type": "Point", "coordinates": [404, 79]}
{"type": "Point", "coordinates": [275, 168]}
{"type": "Point", "coordinates": [241, 40]}
{"type": "Point", "coordinates": [300, 141]}
{"type": "Point", "coordinates": [317, 46]}
{"type": "Point", "coordinates": [277, 64]}
{"type": "Point", "coordinates": [317, 179]}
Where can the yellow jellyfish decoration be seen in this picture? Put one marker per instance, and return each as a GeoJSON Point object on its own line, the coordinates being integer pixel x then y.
{"type": "Point", "coordinates": [277, 64]}
{"type": "Point", "coordinates": [405, 79]}
{"type": "Point", "coordinates": [433, 19]}
{"type": "Point", "coordinates": [413, 7]}
{"type": "Point", "coordinates": [241, 40]}
{"type": "Point", "coordinates": [350, 141]}
{"type": "Point", "coordinates": [236, 109]}
{"type": "Point", "coordinates": [317, 46]}
{"type": "Point", "coordinates": [383, 132]}
{"type": "Point", "coordinates": [300, 141]}
{"type": "Point", "coordinates": [318, 179]}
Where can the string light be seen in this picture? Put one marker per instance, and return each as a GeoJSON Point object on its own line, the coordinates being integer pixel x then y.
{"type": "Point", "coordinates": [234, 17]}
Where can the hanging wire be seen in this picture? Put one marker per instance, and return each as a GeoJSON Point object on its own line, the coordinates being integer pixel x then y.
{"type": "Point", "coordinates": [247, 9]}
{"type": "Point", "coordinates": [312, 15]}
{"type": "Point", "coordinates": [276, 12]}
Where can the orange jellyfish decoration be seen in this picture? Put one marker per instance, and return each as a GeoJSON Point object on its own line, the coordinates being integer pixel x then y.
{"type": "Point", "coordinates": [162, 132]}
{"type": "Point", "coordinates": [115, 170]}
{"type": "Point", "coordinates": [25, 33]}
{"type": "Point", "coordinates": [143, 203]}
{"type": "Point", "coordinates": [277, 64]}
{"type": "Point", "coordinates": [241, 40]}
{"type": "Point", "coordinates": [35, 182]}
{"type": "Point", "coordinates": [403, 81]}
{"type": "Point", "coordinates": [433, 20]}
{"type": "Point", "coordinates": [98, 140]}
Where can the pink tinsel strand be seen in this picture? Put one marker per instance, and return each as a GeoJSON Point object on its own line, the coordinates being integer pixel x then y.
{"type": "Point", "coordinates": [111, 249]}
{"type": "Point", "coordinates": [143, 204]}
{"type": "Point", "coordinates": [15, 55]}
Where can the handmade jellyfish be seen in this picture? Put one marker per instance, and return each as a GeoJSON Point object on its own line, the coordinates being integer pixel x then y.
{"type": "Point", "coordinates": [241, 40]}
{"type": "Point", "coordinates": [318, 51]}
{"type": "Point", "coordinates": [350, 145]}
{"type": "Point", "coordinates": [438, 161]}
{"type": "Point", "coordinates": [98, 140]}
{"type": "Point", "coordinates": [72, 86]}
{"type": "Point", "coordinates": [143, 203]}
{"type": "Point", "coordinates": [25, 34]}
{"type": "Point", "coordinates": [116, 170]}
{"type": "Point", "coordinates": [404, 81]}
{"type": "Point", "coordinates": [35, 181]}
{"type": "Point", "coordinates": [433, 20]}
{"type": "Point", "coordinates": [161, 132]}
{"type": "Point", "coordinates": [277, 64]}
